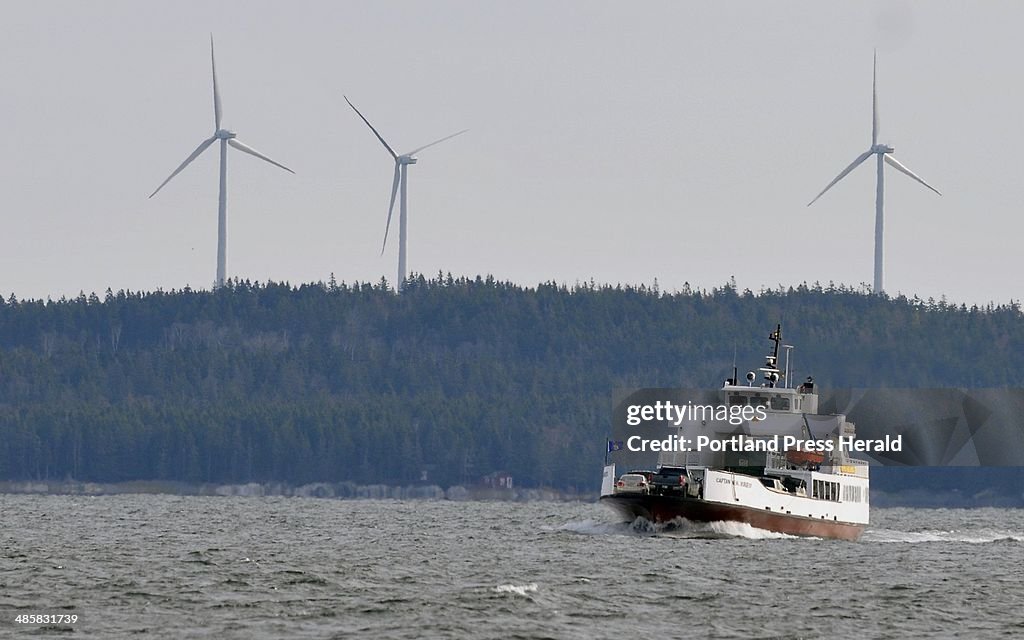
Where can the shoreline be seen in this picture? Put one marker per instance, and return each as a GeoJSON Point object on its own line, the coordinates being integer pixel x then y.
{"type": "Point", "coordinates": [913, 498]}
{"type": "Point", "coordinates": [335, 490]}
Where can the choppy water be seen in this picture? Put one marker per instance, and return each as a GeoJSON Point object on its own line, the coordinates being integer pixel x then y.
{"type": "Point", "coordinates": [191, 567]}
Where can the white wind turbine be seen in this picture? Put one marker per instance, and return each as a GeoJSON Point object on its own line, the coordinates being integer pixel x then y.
{"type": "Point", "coordinates": [226, 137]}
{"type": "Point", "coordinates": [883, 151]}
{"type": "Point", "coordinates": [401, 162]}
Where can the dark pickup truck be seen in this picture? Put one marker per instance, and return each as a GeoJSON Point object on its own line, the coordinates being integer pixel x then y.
{"type": "Point", "coordinates": [669, 481]}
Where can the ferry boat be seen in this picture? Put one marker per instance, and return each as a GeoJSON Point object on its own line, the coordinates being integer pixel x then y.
{"type": "Point", "coordinates": [811, 489]}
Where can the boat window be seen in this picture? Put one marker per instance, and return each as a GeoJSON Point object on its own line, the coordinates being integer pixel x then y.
{"type": "Point", "coordinates": [825, 490]}
{"type": "Point", "coordinates": [851, 493]}
{"type": "Point", "coordinates": [780, 404]}
{"type": "Point", "coordinates": [757, 401]}
{"type": "Point", "coordinates": [737, 399]}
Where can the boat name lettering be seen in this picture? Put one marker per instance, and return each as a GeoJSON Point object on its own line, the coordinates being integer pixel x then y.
{"type": "Point", "coordinates": [738, 483]}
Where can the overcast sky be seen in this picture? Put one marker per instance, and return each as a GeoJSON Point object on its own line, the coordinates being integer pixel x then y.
{"type": "Point", "coordinates": [624, 142]}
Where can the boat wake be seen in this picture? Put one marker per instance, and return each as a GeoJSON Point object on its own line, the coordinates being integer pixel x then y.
{"type": "Point", "coordinates": [598, 528]}
{"type": "Point", "coordinates": [676, 528]}
{"type": "Point", "coordinates": [683, 528]}
{"type": "Point", "coordinates": [979, 536]}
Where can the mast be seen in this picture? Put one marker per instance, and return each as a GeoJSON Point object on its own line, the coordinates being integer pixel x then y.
{"type": "Point", "coordinates": [771, 365]}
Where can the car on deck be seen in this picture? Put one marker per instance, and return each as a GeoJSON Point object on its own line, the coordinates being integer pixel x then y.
{"type": "Point", "coordinates": [632, 483]}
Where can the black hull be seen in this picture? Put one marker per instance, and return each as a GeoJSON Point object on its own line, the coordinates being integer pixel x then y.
{"type": "Point", "coordinates": [660, 508]}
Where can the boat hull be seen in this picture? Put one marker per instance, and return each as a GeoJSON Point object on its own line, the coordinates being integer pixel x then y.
{"type": "Point", "coordinates": [662, 508]}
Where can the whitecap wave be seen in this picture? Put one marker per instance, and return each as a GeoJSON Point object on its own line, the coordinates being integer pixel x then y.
{"type": "Point", "coordinates": [980, 536]}
{"type": "Point", "coordinates": [518, 589]}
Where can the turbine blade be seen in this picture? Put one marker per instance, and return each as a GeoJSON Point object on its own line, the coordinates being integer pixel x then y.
{"type": "Point", "coordinates": [195, 154]}
{"type": "Point", "coordinates": [216, 90]}
{"type": "Point", "coordinates": [874, 101]}
{"type": "Point", "coordinates": [893, 162]}
{"type": "Point", "coordinates": [853, 165]}
{"type": "Point", "coordinates": [234, 142]}
{"type": "Point", "coordinates": [386, 145]}
{"type": "Point", "coordinates": [415, 151]}
{"type": "Point", "coordinates": [391, 207]}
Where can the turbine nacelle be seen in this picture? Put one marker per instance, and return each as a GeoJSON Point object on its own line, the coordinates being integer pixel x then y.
{"type": "Point", "coordinates": [224, 134]}
{"type": "Point", "coordinates": [882, 148]}
{"type": "Point", "coordinates": [406, 159]}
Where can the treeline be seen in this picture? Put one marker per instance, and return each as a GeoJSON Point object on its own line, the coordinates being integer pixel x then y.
{"type": "Point", "coordinates": [451, 380]}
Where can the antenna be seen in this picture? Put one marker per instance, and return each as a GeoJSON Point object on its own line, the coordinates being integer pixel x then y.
{"type": "Point", "coordinates": [788, 348]}
{"type": "Point", "coordinates": [735, 372]}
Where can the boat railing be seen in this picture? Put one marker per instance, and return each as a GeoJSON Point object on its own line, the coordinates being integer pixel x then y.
{"type": "Point", "coordinates": [776, 460]}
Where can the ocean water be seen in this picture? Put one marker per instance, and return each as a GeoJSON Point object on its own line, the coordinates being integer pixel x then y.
{"type": "Point", "coordinates": [218, 567]}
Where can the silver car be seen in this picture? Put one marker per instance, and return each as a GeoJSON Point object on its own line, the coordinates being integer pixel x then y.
{"type": "Point", "coordinates": [632, 483]}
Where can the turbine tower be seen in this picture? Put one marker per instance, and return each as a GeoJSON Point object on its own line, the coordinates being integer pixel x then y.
{"type": "Point", "coordinates": [884, 155]}
{"type": "Point", "coordinates": [401, 164]}
{"type": "Point", "coordinates": [226, 137]}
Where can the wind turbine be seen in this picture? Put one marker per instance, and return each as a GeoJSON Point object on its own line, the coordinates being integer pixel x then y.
{"type": "Point", "coordinates": [884, 154]}
{"type": "Point", "coordinates": [401, 164]}
{"type": "Point", "coordinates": [226, 137]}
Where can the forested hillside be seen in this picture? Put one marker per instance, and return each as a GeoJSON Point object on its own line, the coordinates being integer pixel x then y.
{"type": "Point", "coordinates": [454, 378]}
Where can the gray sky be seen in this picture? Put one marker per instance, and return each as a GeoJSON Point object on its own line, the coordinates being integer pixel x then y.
{"type": "Point", "coordinates": [617, 141]}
